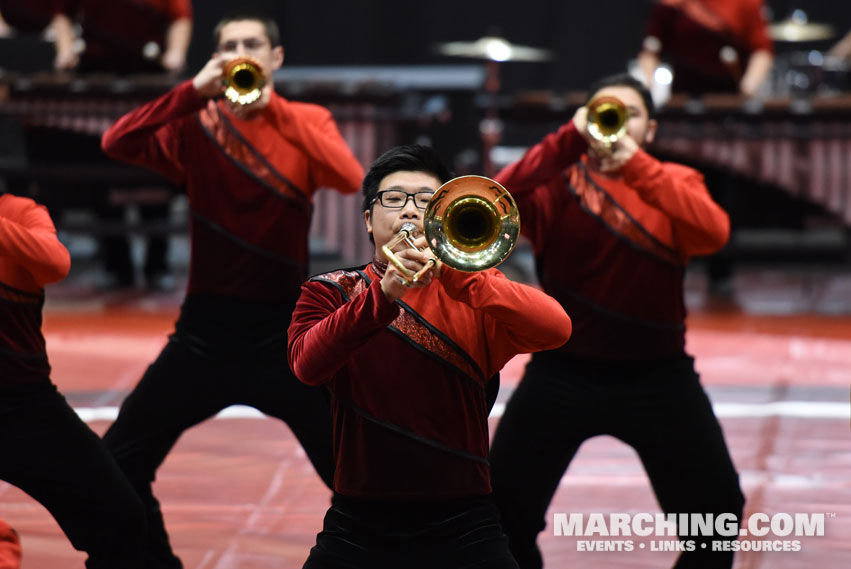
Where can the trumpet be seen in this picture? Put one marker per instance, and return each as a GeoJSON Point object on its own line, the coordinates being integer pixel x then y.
{"type": "Point", "coordinates": [471, 224]}
{"type": "Point", "coordinates": [607, 118]}
{"type": "Point", "coordinates": [243, 79]}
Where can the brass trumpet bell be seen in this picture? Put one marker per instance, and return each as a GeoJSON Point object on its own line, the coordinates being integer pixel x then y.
{"type": "Point", "coordinates": [244, 80]}
{"type": "Point", "coordinates": [471, 223]}
{"type": "Point", "coordinates": [607, 118]}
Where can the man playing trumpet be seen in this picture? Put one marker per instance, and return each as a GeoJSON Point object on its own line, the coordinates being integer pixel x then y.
{"type": "Point", "coordinates": [407, 364]}
{"type": "Point", "coordinates": [250, 172]}
{"type": "Point", "coordinates": [613, 229]}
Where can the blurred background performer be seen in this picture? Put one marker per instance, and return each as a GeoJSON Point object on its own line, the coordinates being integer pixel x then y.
{"type": "Point", "coordinates": [842, 48]}
{"type": "Point", "coordinates": [250, 173]}
{"type": "Point", "coordinates": [134, 36]}
{"type": "Point", "coordinates": [37, 17]}
{"type": "Point", "coordinates": [407, 368]}
{"type": "Point", "coordinates": [612, 232]}
{"type": "Point", "coordinates": [131, 37]}
{"type": "Point", "coordinates": [713, 46]}
{"type": "Point", "coordinates": [48, 452]}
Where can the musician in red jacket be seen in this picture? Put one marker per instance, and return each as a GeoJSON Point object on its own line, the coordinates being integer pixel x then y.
{"type": "Point", "coordinates": [34, 16]}
{"type": "Point", "coordinates": [612, 232]}
{"type": "Point", "coordinates": [250, 173]}
{"type": "Point", "coordinates": [407, 368]}
{"type": "Point", "coordinates": [712, 45]}
{"type": "Point", "coordinates": [134, 36]}
{"type": "Point", "coordinates": [131, 37]}
{"type": "Point", "coordinates": [48, 452]}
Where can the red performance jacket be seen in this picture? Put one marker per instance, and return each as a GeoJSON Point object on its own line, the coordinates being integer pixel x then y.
{"type": "Point", "coordinates": [693, 33]}
{"type": "Point", "coordinates": [250, 184]}
{"type": "Point", "coordinates": [31, 256]}
{"type": "Point", "coordinates": [613, 250]}
{"type": "Point", "coordinates": [407, 379]}
{"type": "Point", "coordinates": [116, 31]}
{"type": "Point", "coordinates": [30, 15]}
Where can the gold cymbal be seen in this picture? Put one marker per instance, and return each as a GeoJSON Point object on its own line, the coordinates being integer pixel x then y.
{"type": "Point", "coordinates": [795, 30]}
{"type": "Point", "coordinates": [493, 48]}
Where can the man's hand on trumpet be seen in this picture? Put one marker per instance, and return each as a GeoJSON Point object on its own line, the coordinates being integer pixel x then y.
{"type": "Point", "coordinates": [395, 284]}
{"type": "Point", "coordinates": [607, 158]}
{"type": "Point", "coordinates": [612, 159]}
{"type": "Point", "coordinates": [208, 81]}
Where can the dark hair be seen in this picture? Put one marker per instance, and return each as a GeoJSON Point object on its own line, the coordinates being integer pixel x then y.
{"type": "Point", "coordinates": [273, 33]}
{"type": "Point", "coordinates": [410, 158]}
{"type": "Point", "coordinates": [624, 80]}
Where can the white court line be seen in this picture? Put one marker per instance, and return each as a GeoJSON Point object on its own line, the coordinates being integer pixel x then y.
{"type": "Point", "coordinates": [89, 414]}
{"type": "Point", "coordinates": [791, 409]}
{"type": "Point", "coordinates": [796, 409]}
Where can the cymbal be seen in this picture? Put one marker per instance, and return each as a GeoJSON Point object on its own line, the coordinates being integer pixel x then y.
{"type": "Point", "coordinates": [795, 30]}
{"type": "Point", "coordinates": [493, 48]}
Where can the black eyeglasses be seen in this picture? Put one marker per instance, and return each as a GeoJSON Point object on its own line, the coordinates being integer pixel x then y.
{"type": "Point", "coordinates": [397, 199]}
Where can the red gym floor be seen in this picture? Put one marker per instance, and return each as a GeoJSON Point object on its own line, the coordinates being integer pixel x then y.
{"type": "Point", "coordinates": [238, 493]}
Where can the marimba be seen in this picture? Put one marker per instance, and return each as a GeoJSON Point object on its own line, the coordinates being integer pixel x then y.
{"type": "Point", "coordinates": [372, 107]}
{"type": "Point", "coordinates": [800, 145]}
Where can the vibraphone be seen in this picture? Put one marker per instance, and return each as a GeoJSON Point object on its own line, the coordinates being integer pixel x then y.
{"type": "Point", "coordinates": [50, 137]}
{"type": "Point", "coordinates": [800, 145]}
{"type": "Point", "coordinates": [87, 106]}
{"type": "Point", "coordinates": [371, 105]}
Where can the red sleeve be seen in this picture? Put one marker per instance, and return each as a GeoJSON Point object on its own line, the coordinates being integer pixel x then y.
{"type": "Point", "coordinates": [544, 161]}
{"type": "Point", "coordinates": [178, 9]}
{"type": "Point", "coordinates": [756, 28]}
{"type": "Point", "coordinates": [27, 236]}
{"type": "Point", "coordinates": [325, 329]}
{"type": "Point", "coordinates": [312, 128]}
{"type": "Point", "coordinates": [528, 179]}
{"type": "Point", "coordinates": [60, 7]}
{"type": "Point", "coordinates": [149, 135]}
{"type": "Point", "coordinates": [68, 7]}
{"type": "Point", "coordinates": [701, 226]}
{"type": "Point", "coordinates": [660, 22]}
{"type": "Point", "coordinates": [519, 319]}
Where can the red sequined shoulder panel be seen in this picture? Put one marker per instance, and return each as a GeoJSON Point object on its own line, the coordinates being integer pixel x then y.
{"type": "Point", "coordinates": [596, 201]}
{"type": "Point", "coordinates": [240, 151]}
{"type": "Point", "coordinates": [418, 331]}
{"type": "Point", "coordinates": [410, 325]}
{"type": "Point", "coordinates": [350, 283]}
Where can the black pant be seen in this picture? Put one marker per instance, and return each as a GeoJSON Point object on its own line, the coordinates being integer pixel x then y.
{"type": "Point", "coordinates": [459, 533]}
{"type": "Point", "coordinates": [223, 352]}
{"type": "Point", "coordinates": [50, 454]}
{"type": "Point", "coordinates": [658, 408]}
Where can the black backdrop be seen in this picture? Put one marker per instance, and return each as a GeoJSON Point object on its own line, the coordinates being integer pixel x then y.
{"type": "Point", "coordinates": [589, 39]}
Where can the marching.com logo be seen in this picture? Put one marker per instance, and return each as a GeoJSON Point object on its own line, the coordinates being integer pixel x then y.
{"type": "Point", "coordinates": [718, 532]}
